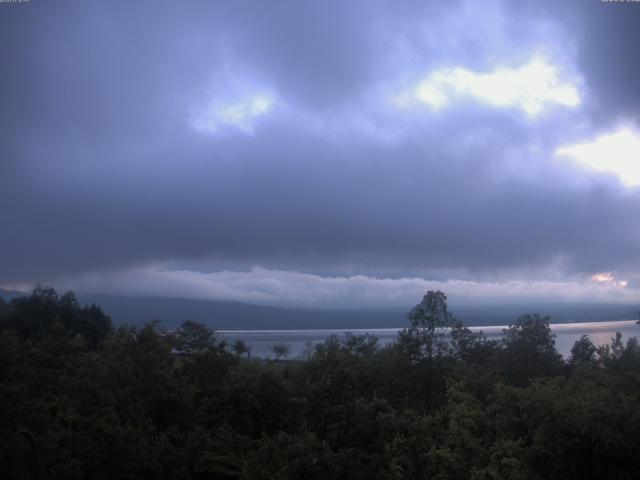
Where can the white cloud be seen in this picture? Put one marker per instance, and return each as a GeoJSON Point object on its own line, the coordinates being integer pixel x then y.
{"type": "Point", "coordinates": [607, 278]}
{"type": "Point", "coordinates": [297, 289]}
{"type": "Point", "coordinates": [241, 114]}
{"type": "Point", "coordinates": [603, 277]}
{"type": "Point", "coordinates": [531, 88]}
{"type": "Point", "coordinates": [617, 153]}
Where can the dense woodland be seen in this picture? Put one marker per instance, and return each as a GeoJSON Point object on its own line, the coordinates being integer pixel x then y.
{"type": "Point", "coordinates": [441, 402]}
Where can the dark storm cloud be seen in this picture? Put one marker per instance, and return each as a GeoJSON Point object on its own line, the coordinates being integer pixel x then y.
{"type": "Point", "coordinates": [606, 36]}
{"type": "Point", "coordinates": [609, 58]}
{"type": "Point", "coordinates": [301, 204]}
{"type": "Point", "coordinates": [102, 168]}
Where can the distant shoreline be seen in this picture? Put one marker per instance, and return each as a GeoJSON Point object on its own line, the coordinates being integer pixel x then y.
{"type": "Point", "coordinates": [593, 325]}
{"type": "Point", "coordinates": [261, 341]}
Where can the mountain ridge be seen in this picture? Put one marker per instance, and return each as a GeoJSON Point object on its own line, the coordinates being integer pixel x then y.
{"type": "Point", "coordinates": [232, 315]}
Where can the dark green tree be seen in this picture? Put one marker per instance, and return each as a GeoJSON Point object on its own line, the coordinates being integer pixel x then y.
{"type": "Point", "coordinates": [430, 324]}
{"type": "Point", "coordinates": [528, 350]}
{"type": "Point", "coordinates": [194, 337]}
{"type": "Point", "coordinates": [583, 352]}
{"type": "Point", "coordinates": [45, 313]}
{"type": "Point", "coordinates": [360, 344]}
{"type": "Point", "coordinates": [240, 348]}
{"type": "Point", "coordinates": [281, 350]}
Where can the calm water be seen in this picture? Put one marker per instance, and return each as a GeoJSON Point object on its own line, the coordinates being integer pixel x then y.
{"type": "Point", "coordinates": [261, 341]}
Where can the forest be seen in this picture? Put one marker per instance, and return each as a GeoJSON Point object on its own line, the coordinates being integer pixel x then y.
{"type": "Point", "coordinates": [83, 398]}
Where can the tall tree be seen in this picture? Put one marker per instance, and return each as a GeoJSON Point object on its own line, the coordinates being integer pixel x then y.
{"type": "Point", "coordinates": [430, 324]}
{"type": "Point", "coordinates": [529, 349]}
{"type": "Point", "coordinates": [583, 352]}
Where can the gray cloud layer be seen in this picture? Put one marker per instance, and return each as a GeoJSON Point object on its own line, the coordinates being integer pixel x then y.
{"type": "Point", "coordinates": [101, 168]}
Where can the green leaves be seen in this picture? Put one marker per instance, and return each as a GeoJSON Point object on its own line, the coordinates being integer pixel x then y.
{"type": "Point", "coordinates": [430, 322]}
{"type": "Point", "coordinates": [45, 314]}
{"type": "Point", "coordinates": [441, 402]}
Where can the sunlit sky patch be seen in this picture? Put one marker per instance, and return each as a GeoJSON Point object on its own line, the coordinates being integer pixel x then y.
{"type": "Point", "coordinates": [602, 277]}
{"type": "Point", "coordinates": [617, 153]}
{"type": "Point", "coordinates": [531, 87]}
{"type": "Point", "coordinates": [607, 278]}
{"type": "Point", "coordinates": [241, 114]}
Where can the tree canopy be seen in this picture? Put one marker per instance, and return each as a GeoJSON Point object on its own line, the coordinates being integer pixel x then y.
{"type": "Point", "coordinates": [440, 402]}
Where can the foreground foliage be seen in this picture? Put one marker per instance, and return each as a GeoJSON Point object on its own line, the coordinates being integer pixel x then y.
{"type": "Point", "coordinates": [439, 403]}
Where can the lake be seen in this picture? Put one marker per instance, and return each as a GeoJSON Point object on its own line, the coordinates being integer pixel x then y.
{"type": "Point", "coordinates": [261, 341]}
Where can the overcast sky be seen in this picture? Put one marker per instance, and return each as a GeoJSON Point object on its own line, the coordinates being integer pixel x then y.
{"type": "Point", "coordinates": [322, 153]}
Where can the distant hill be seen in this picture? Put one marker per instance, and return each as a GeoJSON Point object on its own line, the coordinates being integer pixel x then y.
{"type": "Point", "coordinates": [559, 312]}
{"type": "Point", "coordinates": [7, 295]}
{"type": "Point", "coordinates": [228, 315]}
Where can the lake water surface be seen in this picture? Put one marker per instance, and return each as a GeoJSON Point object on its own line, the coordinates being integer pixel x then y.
{"type": "Point", "coordinates": [261, 341]}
